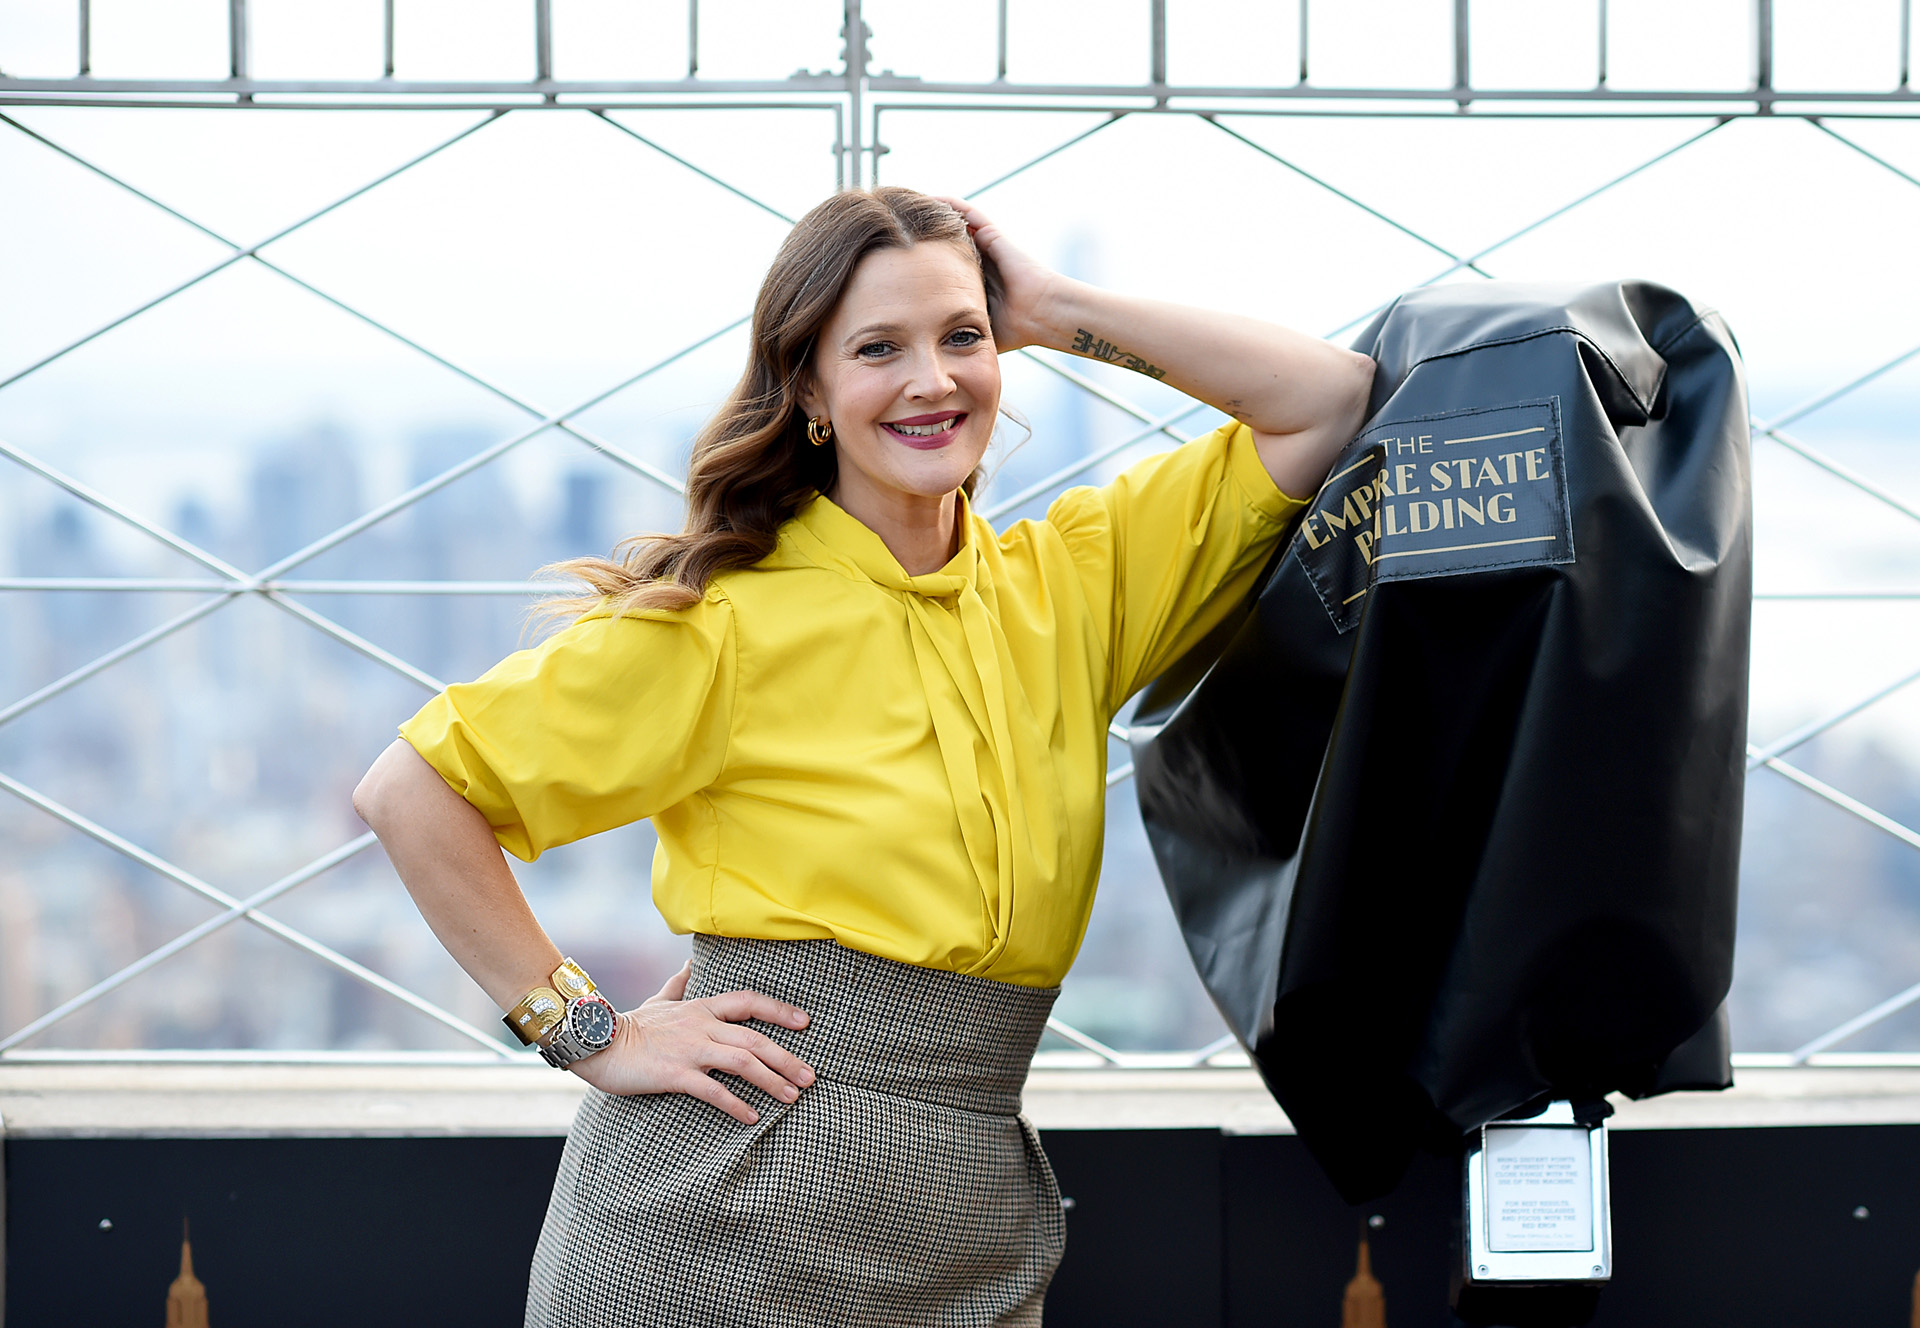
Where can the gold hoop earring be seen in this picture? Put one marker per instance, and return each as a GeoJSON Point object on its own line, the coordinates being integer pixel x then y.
{"type": "Point", "coordinates": [819, 431]}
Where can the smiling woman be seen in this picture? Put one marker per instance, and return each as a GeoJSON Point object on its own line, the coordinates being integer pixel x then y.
{"type": "Point", "coordinates": [870, 731]}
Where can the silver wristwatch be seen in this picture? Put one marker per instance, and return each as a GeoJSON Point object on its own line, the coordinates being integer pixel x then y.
{"type": "Point", "coordinates": [587, 1027]}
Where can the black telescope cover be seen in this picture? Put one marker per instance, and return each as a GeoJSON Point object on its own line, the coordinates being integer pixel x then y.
{"type": "Point", "coordinates": [1451, 817]}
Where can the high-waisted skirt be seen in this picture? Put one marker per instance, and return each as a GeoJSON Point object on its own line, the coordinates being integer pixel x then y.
{"type": "Point", "coordinates": [903, 1187]}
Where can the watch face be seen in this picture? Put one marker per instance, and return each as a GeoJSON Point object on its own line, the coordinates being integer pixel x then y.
{"type": "Point", "coordinates": [593, 1022]}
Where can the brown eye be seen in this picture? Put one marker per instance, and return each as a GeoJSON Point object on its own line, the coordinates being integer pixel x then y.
{"type": "Point", "coordinates": [966, 336]}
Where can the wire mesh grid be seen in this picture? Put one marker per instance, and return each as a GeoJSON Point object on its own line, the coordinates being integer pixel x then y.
{"type": "Point", "coordinates": [860, 102]}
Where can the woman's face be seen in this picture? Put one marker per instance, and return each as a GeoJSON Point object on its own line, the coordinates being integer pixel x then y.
{"type": "Point", "coordinates": [907, 372]}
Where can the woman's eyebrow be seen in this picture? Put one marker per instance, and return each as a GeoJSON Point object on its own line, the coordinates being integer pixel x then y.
{"type": "Point", "coordinates": [968, 315]}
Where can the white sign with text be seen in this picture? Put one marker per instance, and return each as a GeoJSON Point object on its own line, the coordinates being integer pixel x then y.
{"type": "Point", "coordinates": [1539, 1188]}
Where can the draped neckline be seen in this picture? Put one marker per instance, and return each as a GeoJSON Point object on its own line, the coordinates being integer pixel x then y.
{"type": "Point", "coordinates": [1006, 788]}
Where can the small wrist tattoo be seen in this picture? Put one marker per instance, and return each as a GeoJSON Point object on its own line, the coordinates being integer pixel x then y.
{"type": "Point", "coordinates": [1099, 348]}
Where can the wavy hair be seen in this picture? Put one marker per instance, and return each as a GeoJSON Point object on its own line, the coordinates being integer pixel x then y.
{"type": "Point", "coordinates": [752, 467]}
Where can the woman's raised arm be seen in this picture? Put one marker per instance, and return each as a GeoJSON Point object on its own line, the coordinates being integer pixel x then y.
{"type": "Point", "coordinates": [1303, 398]}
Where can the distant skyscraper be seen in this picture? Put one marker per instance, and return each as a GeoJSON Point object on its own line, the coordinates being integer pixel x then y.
{"type": "Point", "coordinates": [186, 1298]}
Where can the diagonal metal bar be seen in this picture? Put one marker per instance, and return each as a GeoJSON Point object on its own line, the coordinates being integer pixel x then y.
{"type": "Point", "coordinates": [1222, 1043]}
{"type": "Point", "coordinates": [114, 656]}
{"type": "Point", "coordinates": [94, 498]}
{"type": "Point", "coordinates": [1806, 408]}
{"type": "Point", "coordinates": [768, 208]}
{"type": "Point", "coordinates": [1846, 803]}
{"type": "Point", "coordinates": [1342, 194]}
{"type": "Point", "coordinates": [481, 458]}
{"type": "Point", "coordinates": [186, 938]}
{"type": "Point", "coordinates": [598, 444]}
{"type": "Point", "coordinates": [1093, 389]}
{"type": "Point", "coordinates": [165, 585]}
{"type": "Point", "coordinates": [1807, 732]}
{"type": "Point", "coordinates": [247, 252]}
{"type": "Point", "coordinates": [1113, 118]}
{"type": "Point", "coordinates": [161, 866]}
{"type": "Point", "coordinates": [1840, 471]}
{"type": "Point", "coordinates": [1865, 1019]}
{"type": "Point", "coordinates": [1532, 226]}
{"type": "Point", "coordinates": [1089, 461]}
{"type": "Point", "coordinates": [1873, 157]}
{"type": "Point", "coordinates": [1061, 1029]}
{"type": "Point", "coordinates": [1120, 774]}
{"type": "Point", "coordinates": [353, 640]}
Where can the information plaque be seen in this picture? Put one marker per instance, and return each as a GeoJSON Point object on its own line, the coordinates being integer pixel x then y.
{"type": "Point", "coordinates": [1539, 1188]}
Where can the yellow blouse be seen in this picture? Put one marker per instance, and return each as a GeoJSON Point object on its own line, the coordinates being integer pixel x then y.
{"type": "Point", "coordinates": [913, 766]}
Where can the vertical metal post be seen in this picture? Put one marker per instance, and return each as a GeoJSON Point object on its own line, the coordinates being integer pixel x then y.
{"type": "Point", "coordinates": [1305, 5]}
{"type": "Point", "coordinates": [1157, 19]}
{"type": "Point", "coordinates": [86, 37]}
{"type": "Point", "coordinates": [236, 39]}
{"type": "Point", "coordinates": [693, 38]}
{"type": "Point", "coordinates": [1907, 41]}
{"type": "Point", "coordinates": [543, 41]}
{"type": "Point", "coordinates": [387, 40]}
{"type": "Point", "coordinates": [856, 56]}
{"type": "Point", "coordinates": [1763, 55]}
{"type": "Point", "coordinates": [1462, 52]}
{"type": "Point", "coordinates": [1603, 45]}
{"type": "Point", "coordinates": [1001, 39]}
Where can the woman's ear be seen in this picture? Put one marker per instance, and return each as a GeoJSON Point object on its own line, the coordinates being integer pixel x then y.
{"type": "Point", "coordinates": [809, 397]}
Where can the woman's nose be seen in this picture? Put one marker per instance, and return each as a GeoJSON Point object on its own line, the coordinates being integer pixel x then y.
{"type": "Point", "coordinates": [931, 377]}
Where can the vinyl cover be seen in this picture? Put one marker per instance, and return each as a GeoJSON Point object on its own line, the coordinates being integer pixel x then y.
{"type": "Point", "coordinates": [1451, 817]}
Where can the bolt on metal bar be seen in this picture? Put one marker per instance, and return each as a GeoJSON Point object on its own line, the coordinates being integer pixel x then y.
{"type": "Point", "coordinates": [292, 936]}
{"type": "Point", "coordinates": [153, 958]}
{"type": "Point", "coordinates": [1807, 732]}
{"type": "Point", "coordinates": [247, 252]}
{"type": "Point", "coordinates": [1339, 193]}
{"type": "Point", "coordinates": [1088, 462]}
{"type": "Point", "coordinates": [709, 176]}
{"type": "Point", "coordinates": [1859, 1023]}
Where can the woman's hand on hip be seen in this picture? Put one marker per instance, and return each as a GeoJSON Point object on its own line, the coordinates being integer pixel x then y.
{"type": "Point", "coordinates": [1027, 286]}
{"type": "Point", "coordinates": [668, 1044]}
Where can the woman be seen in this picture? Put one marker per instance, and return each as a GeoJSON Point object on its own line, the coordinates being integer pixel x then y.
{"type": "Point", "coordinates": [871, 734]}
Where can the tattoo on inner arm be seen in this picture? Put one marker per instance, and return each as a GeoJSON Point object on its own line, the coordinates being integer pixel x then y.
{"type": "Point", "coordinates": [1100, 348]}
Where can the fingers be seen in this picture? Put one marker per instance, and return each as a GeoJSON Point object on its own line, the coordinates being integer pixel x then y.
{"type": "Point", "coordinates": [743, 1064]}
{"type": "Point", "coordinates": [739, 1006]}
{"type": "Point", "coordinates": [788, 1066]}
{"type": "Point", "coordinates": [713, 1093]}
{"type": "Point", "coordinates": [676, 988]}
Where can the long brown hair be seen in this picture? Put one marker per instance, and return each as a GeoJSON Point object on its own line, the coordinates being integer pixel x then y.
{"type": "Point", "coordinates": [752, 467]}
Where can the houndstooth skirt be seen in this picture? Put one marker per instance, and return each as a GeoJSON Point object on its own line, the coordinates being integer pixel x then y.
{"type": "Point", "coordinates": [903, 1187]}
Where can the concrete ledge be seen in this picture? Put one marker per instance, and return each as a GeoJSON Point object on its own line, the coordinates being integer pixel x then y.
{"type": "Point", "coordinates": [238, 1100]}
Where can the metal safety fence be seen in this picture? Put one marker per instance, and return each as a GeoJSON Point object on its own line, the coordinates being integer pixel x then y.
{"type": "Point", "coordinates": [859, 100]}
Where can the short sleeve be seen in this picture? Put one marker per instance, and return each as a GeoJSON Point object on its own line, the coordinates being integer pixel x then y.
{"type": "Point", "coordinates": [1165, 551]}
{"type": "Point", "coordinates": [607, 722]}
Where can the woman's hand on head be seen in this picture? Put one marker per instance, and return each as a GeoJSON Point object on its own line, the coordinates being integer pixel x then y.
{"type": "Point", "coordinates": [668, 1044]}
{"type": "Point", "coordinates": [1027, 286]}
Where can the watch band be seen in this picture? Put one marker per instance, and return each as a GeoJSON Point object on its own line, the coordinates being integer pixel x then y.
{"type": "Point", "coordinates": [536, 1015]}
{"type": "Point", "coordinates": [586, 1030]}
